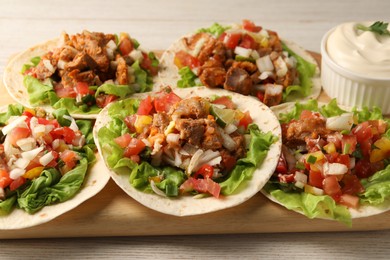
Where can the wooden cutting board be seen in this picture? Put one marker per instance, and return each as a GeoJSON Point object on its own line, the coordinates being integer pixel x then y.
{"type": "Point", "coordinates": [113, 213]}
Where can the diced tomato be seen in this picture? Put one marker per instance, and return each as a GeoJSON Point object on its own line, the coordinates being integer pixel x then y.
{"type": "Point", "coordinates": [246, 120]}
{"type": "Point", "coordinates": [316, 179]}
{"type": "Point", "coordinates": [44, 121]}
{"type": "Point", "coordinates": [343, 159]}
{"type": "Point", "coordinates": [201, 185]}
{"type": "Point", "coordinates": [365, 147]}
{"type": "Point", "coordinates": [380, 125]}
{"type": "Point", "coordinates": [250, 26]}
{"type": "Point", "coordinates": [130, 122]}
{"type": "Point", "coordinates": [28, 113]}
{"type": "Point", "coordinates": [123, 140]}
{"type": "Point", "coordinates": [34, 163]}
{"type": "Point", "coordinates": [349, 200]}
{"type": "Point", "coordinates": [63, 133]}
{"type": "Point", "coordinates": [363, 169]}
{"type": "Point", "coordinates": [335, 139]}
{"type": "Point", "coordinates": [183, 59]}
{"type": "Point", "coordinates": [351, 184]}
{"type": "Point", "coordinates": [147, 64]}
{"type": "Point", "coordinates": [362, 132]}
{"type": "Point", "coordinates": [103, 100]}
{"type": "Point", "coordinates": [260, 95]}
{"type": "Point", "coordinates": [331, 186]}
{"type": "Point", "coordinates": [286, 178]}
{"type": "Point", "coordinates": [348, 144]}
{"type": "Point", "coordinates": [281, 167]}
{"type": "Point", "coordinates": [125, 46]}
{"type": "Point", "coordinates": [82, 88]}
{"type": "Point", "coordinates": [63, 92]}
{"type": "Point", "coordinates": [134, 148]}
{"type": "Point", "coordinates": [48, 139]}
{"type": "Point", "coordinates": [5, 180]}
{"type": "Point", "coordinates": [226, 101]}
{"type": "Point", "coordinates": [146, 106]}
{"type": "Point", "coordinates": [17, 183]}
{"type": "Point", "coordinates": [205, 170]}
{"type": "Point", "coordinates": [228, 161]}
{"type": "Point", "coordinates": [18, 133]}
{"type": "Point", "coordinates": [164, 101]}
{"type": "Point", "coordinates": [248, 42]}
{"type": "Point", "coordinates": [231, 40]}
{"type": "Point", "coordinates": [70, 158]}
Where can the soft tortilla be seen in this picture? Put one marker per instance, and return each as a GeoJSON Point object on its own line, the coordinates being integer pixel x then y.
{"type": "Point", "coordinates": [96, 179]}
{"type": "Point", "coordinates": [362, 211]}
{"type": "Point", "coordinates": [187, 205]}
{"type": "Point", "coordinates": [169, 73]}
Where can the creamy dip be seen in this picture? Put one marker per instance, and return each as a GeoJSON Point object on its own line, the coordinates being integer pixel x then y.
{"type": "Point", "coordinates": [363, 52]}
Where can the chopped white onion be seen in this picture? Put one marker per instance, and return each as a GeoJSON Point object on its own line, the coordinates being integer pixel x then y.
{"type": "Point", "coordinates": [156, 189]}
{"type": "Point", "coordinates": [46, 158]}
{"type": "Point", "coordinates": [61, 64]}
{"type": "Point", "coordinates": [334, 169]}
{"type": "Point", "coordinates": [30, 155]}
{"type": "Point", "coordinates": [299, 184]}
{"type": "Point", "coordinates": [265, 64]}
{"type": "Point", "coordinates": [264, 33]}
{"type": "Point", "coordinates": [228, 142]}
{"type": "Point", "coordinates": [194, 161]}
{"type": "Point", "coordinates": [16, 121]}
{"type": "Point", "coordinates": [300, 177]}
{"type": "Point", "coordinates": [230, 128]}
{"type": "Point", "coordinates": [255, 55]}
{"type": "Point", "coordinates": [39, 130]}
{"type": "Point", "coordinates": [281, 67]}
{"type": "Point", "coordinates": [273, 89]}
{"type": "Point", "coordinates": [111, 45]}
{"type": "Point", "coordinates": [198, 47]}
{"type": "Point", "coordinates": [136, 55]}
{"type": "Point", "coordinates": [244, 52]}
{"type": "Point", "coordinates": [26, 144]}
{"type": "Point", "coordinates": [341, 122]}
{"type": "Point", "coordinates": [146, 142]}
{"type": "Point", "coordinates": [264, 75]}
{"type": "Point", "coordinates": [21, 163]}
{"type": "Point", "coordinates": [16, 173]}
{"type": "Point", "coordinates": [48, 66]}
{"type": "Point", "coordinates": [173, 138]}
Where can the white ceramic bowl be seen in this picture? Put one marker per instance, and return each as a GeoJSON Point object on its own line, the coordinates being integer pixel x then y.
{"type": "Point", "coordinates": [350, 88]}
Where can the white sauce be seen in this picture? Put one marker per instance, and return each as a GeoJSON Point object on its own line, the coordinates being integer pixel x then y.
{"type": "Point", "coordinates": [362, 52]}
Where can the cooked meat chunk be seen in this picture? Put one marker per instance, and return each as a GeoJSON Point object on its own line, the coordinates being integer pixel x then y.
{"type": "Point", "coordinates": [296, 131]}
{"type": "Point", "coordinates": [82, 61]}
{"type": "Point", "coordinates": [212, 138]}
{"type": "Point", "coordinates": [246, 65]}
{"type": "Point", "coordinates": [191, 130]}
{"type": "Point", "coordinates": [194, 107]}
{"type": "Point", "coordinates": [273, 94]}
{"type": "Point", "coordinates": [240, 141]}
{"type": "Point", "coordinates": [46, 67]}
{"type": "Point", "coordinates": [86, 76]}
{"type": "Point", "coordinates": [160, 121]}
{"type": "Point", "coordinates": [213, 77]}
{"type": "Point", "coordinates": [122, 75]}
{"type": "Point", "coordinates": [238, 80]}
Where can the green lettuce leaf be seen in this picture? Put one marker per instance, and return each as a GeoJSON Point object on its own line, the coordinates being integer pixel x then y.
{"type": "Point", "coordinates": [12, 110]}
{"type": "Point", "coordinates": [143, 81]}
{"type": "Point", "coordinates": [187, 78]}
{"type": "Point", "coordinates": [50, 188]}
{"type": "Point", "coordinates": [377, 188]}
{"type": "Point", "coordinates": [306, 72]}
{"type": "Point", "coordinates": [7, 205]}
{"type": "Point", "coordinates": [37, 91]}
{"type": "Point", "coordinates": [331, 109]}
{"type": "Point", "coordinates": [34, 62]}
{"type": "Point", "coordinates": [216, 29]}
{"type": "Point", "coordinates": [310, 205]}
{"type": "Point", "coordinates": [123, 108]}
{"type": "Point", "coordinates": [120, 91]}
{"type": "Point", "coordinates": [70, 105]}
{"type": "Point", "coordinates": [243, 171]}
{"type": "Point", "coordinates": [295, 113]}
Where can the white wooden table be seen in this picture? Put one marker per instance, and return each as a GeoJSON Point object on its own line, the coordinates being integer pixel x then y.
{"type": "Point", "coordinates": [156, 24]}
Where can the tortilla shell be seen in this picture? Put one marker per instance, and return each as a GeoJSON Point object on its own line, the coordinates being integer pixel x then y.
{"type": "Point", "coordinates": [187, 205]}
{"type": "Point", "coordinates": [169, 73]}
{"type": "Point", "coordinates": [363, 210]}
{"type": "Point", "coordinates": [95, 180]}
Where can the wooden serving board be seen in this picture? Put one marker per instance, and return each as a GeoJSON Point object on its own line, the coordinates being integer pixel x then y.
{"type": "Point", "coordinates": [113, 213]}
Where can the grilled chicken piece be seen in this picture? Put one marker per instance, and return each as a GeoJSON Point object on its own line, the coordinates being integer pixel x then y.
{"type": "Point", "coordinates": [194, 107]}
{"type": "Point", "coordinates": [82, 61]}
{"type": "Point", "coordinates": [191, 130]}
{"type": "Point", "coordinates": [238, 80]}
{"type": "Point", "coordinates": [273, 94]}
{"type": "Point", "coordinates": [122, 75]}
{"type": "Point", "coordinates": [46, 67]}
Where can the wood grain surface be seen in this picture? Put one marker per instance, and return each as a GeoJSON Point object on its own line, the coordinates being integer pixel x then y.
{"type": "Point", "coordinates": [114, 213]}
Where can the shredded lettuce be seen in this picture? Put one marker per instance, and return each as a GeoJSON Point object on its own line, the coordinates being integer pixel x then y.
{"type": "Point", "coordinates": [34, 62]}
{"type": "Point", "coordinates": [295, 113]}
{"type": "Point", "coordinates": [139, 174]}
{"type": "Point", "coordinates": [377, 188]}
{"type": "Point", "coordinates": [142, 79]}
{"type": "Point", "coordinates": [216, 29]}
{"type": "Point", "coordinates": [187, 78]}
{"type": "Point", "coordinates": [37, 91]}
{"type": "Point", "coordinates": [120, 91]}
{"type": "Point", "coordinates": [306, 72]}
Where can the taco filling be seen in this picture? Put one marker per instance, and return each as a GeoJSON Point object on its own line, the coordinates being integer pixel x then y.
{"type": "Point", "coordinates": [176, 146]}
{"type": "Point", "coordinates": [89, 70]}
{"type": "Point", "coordinates": [43, 158]}
{"type": "Point", "coordinates": [331, 159]}
{"type": "Point", "coordinates": [246, 59]}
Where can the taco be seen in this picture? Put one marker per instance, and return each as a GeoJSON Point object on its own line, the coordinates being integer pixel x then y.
{"type": "Point", "coordinates": [244, 58]}
{"type": "Point", "coordinates": [82, 72]}
{"type": "Point", "coordinates": [47, 165]}
{"type": "Point", "coordinates": [191, 151]}
{"type": "Point", "coordinates": [334, 162]}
